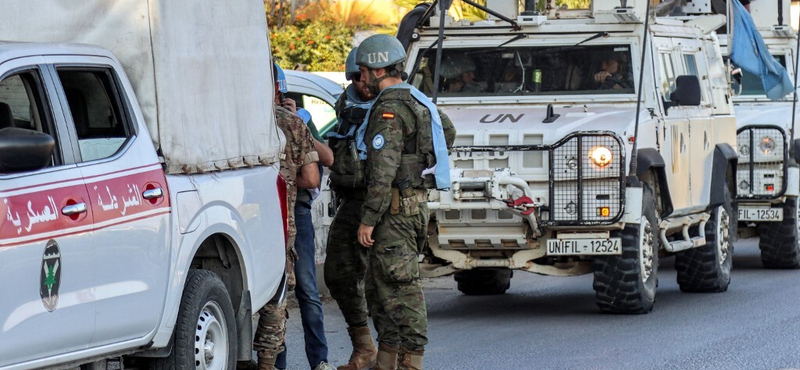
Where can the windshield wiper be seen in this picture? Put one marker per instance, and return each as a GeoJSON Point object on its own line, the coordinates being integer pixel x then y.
{"type": "Point", "coordinates": [596, 36]}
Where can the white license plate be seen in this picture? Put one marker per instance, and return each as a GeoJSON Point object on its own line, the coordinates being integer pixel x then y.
{"type": "Point", "coordinates": [571, 247]}
{"type": "Point", "coordinates": [760, 214]}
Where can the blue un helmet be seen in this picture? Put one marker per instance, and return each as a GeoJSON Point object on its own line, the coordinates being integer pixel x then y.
{"type": "Point", "coordinates": [380, 51]}
{"type": "Point", "coordinates": [456, 65]}
{"type": "Point", "coordinates": [350, 66]}
{"type": "Point", "coordinates": [280, 78]}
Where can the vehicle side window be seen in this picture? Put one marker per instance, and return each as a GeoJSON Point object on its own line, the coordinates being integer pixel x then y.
{"type": "Point", "coordinates": [322, 114]}
{"type": "Point", "coordinates": [96, 111]}
{"type": "Point", "coordinates": [667, 75]}
{"type": "Point", "coordinates": [690, 62]}
{"type": "Point", "coordinates": [23, 105]}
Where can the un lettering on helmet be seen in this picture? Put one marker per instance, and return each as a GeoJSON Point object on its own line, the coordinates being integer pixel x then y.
{"type": "Point", "coordinates": [379, 57]}
{"type": "Point", "coordinates": [380, 51]}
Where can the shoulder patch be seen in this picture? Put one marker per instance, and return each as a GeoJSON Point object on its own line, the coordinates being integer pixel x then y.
{"type": "Point", "coordinates": [387, 115]}
{"type": "Point", "coordinates": [378, 142]}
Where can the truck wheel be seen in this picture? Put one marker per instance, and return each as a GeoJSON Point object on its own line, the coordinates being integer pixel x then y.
{"type": "Point", "coordinates": [707, 269]}
{"type": "Point", "coordinates": [627, 283]}
{"type": "Point", "coordinates": [780, 241]}
{"type": "Point", "coordinates": [484, 281]}
{"type": "Point", "coordinates": [205, 333]}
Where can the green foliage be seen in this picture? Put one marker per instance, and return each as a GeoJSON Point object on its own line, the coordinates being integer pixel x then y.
{"type": "Point", "coordinates": [570, 4]}
{"type": "Point", "coordinates": [319, 44]}
{"type": "Point", "coordinates": [575, 4]}
{"type": "Point", "coordinates": [458, 9]}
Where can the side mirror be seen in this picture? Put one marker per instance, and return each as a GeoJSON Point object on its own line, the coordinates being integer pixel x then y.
{"type": "Point", "coordinates": [796, 151]}
{"type": "Point", "coordinates": [24, 150]}
{"type": "Point", "coordinates": [687, 92]}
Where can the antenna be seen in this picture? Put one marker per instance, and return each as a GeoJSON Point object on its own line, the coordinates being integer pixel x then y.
{"type": "Point", "coordinates": [794, 101]}
{"type": "Point", "coordinates": [634, 158]}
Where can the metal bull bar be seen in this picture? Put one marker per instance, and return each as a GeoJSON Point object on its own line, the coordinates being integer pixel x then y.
{"type": "Point", "coordinates": [576, 187]}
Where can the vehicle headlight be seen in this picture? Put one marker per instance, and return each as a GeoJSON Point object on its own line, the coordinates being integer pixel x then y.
{"type": "Point", "coordinates": [766, 144]}
{"type": "Point", "coordinates": [601, 156]}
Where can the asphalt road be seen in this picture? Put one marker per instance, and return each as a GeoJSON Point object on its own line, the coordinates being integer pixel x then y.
{"type": "Point", "coordinates": [553, 323]}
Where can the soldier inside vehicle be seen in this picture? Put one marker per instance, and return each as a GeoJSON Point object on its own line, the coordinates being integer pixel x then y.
{"type": "Point", "coordinates": [540, 70]}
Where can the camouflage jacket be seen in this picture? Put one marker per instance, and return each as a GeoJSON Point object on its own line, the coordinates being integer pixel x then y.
{"type": "Point", "coordinates": [299, 151]}
{"type": "Point", "coordinates": [391, 133]}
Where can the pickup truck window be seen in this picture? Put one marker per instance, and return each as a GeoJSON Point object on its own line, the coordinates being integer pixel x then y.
{"type": "Point", "coordinates": [96, 111]}
{"type": "Point", "coordinates": [23, 105]}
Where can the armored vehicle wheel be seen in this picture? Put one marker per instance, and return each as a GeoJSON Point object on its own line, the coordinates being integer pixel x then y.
{"type": "Point", "coordinates": [484, 281]}
{"type": "Point", "coordinates": [205, 333]}
{"type": "Point", "coordinates": [627, 283]}
{"type": "Point", "coordinates": [780, 241]}
{"type": "Point", "coordinates": [708, 268]}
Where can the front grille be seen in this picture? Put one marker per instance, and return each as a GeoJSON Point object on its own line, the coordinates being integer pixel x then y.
{"type": "Point", "coordinates": [581, 191]}
{"type": "Point", "coordinates": [761, 171]}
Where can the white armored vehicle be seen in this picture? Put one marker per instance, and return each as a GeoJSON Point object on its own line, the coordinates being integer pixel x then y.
{"type": "Point", "coordinates": [767, 174]}
{"type": "Point", "coordinates": [550, 173]}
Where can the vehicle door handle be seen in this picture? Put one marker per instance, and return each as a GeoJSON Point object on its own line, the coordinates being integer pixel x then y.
{"type": "Point", "coordinates": [74, 209]}
{"type": "Point", "coordinates": [153, 193]}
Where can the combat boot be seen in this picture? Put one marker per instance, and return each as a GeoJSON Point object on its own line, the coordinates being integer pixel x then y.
{"type": "Point", "coordinates": [266, 361]}
{"type": "Point", "coordinates": [386, 359]}
{"type": "Point", "coordinates": [364, 351]}
{"type": "Point", "coordinates": [410, 360]}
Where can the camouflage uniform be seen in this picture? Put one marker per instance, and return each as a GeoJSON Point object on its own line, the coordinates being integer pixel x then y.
{"type": "Point", "coordinates": [299, 151]}
{"type": "Point", "coordinates": [399, 146]}
{"type": "Point", "coordinates": [346, 260]}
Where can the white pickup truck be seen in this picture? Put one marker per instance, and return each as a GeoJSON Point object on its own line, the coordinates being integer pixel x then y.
{"type": "Point", "coordinates": [112, 247]}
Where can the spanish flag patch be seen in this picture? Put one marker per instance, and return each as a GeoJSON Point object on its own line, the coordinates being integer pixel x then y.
{"type": "Point", "coordinates": [387, 115]}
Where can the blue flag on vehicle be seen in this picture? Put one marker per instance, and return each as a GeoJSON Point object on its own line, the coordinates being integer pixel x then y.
{"type": "Point", "coordinates": [749, 52]}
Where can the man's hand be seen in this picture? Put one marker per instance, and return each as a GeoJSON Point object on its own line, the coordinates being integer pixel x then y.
{"type": "Point", "coordinates": [601, 76]}
{"type": "Point", "coordinates": [365, 235]}
{"type": "Point", "coordinates": [289, 104]}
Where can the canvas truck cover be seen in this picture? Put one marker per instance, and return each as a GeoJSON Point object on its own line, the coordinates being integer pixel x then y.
{"type": "Point", "coordinates": [201, 70]}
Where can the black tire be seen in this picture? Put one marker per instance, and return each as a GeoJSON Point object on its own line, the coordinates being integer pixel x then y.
{"type": "Point", "coordinates": [484, 281]}
{"type": "Point", "coordinates": [205, 333]}
{"type": "Point", "coordinates": [707, 269]}
{"type": "Point", "coordinates": [779, 241]}
{"type": "Point", "coordinates": [626, 283]}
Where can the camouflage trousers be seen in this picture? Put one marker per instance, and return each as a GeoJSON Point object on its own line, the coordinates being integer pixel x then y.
{"type": "Point", "coordinates": [346, 263]}
{"type": "Point", "coordinates": [393, 287]}
{"type": "Point", "coordinates": [271, 330]}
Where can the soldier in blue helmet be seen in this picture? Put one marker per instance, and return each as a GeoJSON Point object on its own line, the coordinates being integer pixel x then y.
{"type": "Point", "coordinates": [346, 261]}
{"type": "Point", "coordinates": [405, 152]}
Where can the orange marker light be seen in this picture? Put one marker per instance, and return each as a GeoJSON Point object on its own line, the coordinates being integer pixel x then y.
{"type": "Point", "coordinates": [604, 211]}
{"type": "Point", "coordinates": [388, 115]}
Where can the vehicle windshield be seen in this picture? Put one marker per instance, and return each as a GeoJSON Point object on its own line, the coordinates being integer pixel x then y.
{"type": "Point", "coordinates": [527, 70]}
{"type": "Point", "coordinates": [751, 84]}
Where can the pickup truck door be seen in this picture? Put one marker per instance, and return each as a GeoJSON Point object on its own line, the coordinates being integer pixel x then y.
{"type": "Point", "coordinates": [128, 194]}
{"type": "Point", "coordinates": [46, 260]}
